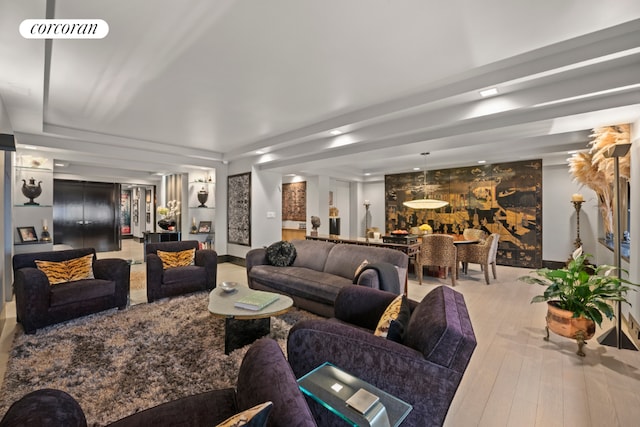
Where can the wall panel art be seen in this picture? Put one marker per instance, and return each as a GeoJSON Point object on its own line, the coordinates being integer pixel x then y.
{"type": "Point", "coordinates": [294, 201]}
{"type": "Point", "coordinates": [239, 209]}
{"type": "Point", "coordinates": [503, 198]}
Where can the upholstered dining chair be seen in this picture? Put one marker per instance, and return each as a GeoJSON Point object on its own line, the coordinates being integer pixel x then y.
{"type": "Point", "coordinates": [483, 253]}
{"type": "Point", "coordinates": [474, 234]}
{"type": "Point", "coordinates": [437, 250]}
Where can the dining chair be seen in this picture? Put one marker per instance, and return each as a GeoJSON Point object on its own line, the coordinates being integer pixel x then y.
{"type": "Point", "coordinates": [474, 234]}
{"type": "Point", "coordinates": [483, 253]}
{"type": "Point", "coordinates": [437, 250]}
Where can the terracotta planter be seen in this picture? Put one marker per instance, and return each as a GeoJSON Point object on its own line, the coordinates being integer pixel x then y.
{"type": "Point", "coordinates": [563, 323]}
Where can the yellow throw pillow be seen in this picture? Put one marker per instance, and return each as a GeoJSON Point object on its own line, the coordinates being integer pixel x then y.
{"type": "Point", "coordinates": [177, 259]}
{"type": "Point", "coordinates": [67, 271]}
{"type": "Point", "coordinates": [252, 417]}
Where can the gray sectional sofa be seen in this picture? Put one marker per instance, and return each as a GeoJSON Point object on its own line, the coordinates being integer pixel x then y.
{"type": "Point", "coordinates": [320, 270]}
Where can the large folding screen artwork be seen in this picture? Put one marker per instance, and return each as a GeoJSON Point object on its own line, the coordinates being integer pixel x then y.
{"type": "Point", "coordinates": [503, 198]}
{"type": "Point", "coordinates": [239, 209]}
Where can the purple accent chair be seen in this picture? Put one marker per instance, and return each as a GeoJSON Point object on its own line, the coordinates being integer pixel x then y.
{"type": "Point", "coordinates": [179, 280]}
{"type": "Point", "coordinates": [424, 370]}
{"type": "Point", "coordinates": [264, 376]}
{"type": "Point", "coordinates": [39, 304]}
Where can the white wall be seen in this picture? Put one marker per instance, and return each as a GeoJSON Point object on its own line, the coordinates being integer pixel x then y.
{"type": "Point", "coordinates": [559, 215]}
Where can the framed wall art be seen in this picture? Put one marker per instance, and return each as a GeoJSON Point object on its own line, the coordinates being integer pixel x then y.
{"type": "Point", "coordinates": [239, 209]}
{"type": "Point", "coordinates": [294, 201]}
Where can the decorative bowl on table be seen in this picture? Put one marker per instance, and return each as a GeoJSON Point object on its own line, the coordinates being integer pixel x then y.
{"type": "Point", "coordinates": [228, 286]}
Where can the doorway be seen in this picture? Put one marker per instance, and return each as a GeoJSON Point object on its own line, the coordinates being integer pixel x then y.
{"type": "Point", "coordinates": [86, 215]}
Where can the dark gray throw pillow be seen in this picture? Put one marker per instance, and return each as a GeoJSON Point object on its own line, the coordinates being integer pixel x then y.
{"type": "Point", "coordinates": [281, 254]}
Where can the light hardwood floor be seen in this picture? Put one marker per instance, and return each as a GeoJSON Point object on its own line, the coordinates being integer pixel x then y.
{"type": "Point", "coordinates": [514, 377]}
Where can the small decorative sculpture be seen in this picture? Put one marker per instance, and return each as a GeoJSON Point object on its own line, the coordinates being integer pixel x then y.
{"type": "Point", "coordinates": [315, 223]}
{"type": "Point", "coordinates": [31, 190]}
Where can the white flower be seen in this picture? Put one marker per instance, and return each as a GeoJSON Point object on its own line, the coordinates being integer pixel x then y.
{"type": "Point", "coordinates": [577, 253]}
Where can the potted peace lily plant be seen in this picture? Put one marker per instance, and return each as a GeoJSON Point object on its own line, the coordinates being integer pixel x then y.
{"type": "Point", "coordinates": [578, 296]}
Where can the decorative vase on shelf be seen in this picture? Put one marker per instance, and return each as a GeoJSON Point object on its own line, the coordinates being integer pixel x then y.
{"type": "Point", "coordinates": [31, 190]}
{"type": "Point", "coordinates": [203, 195]}
{"type": "Point", "coordinates": [167, 223]}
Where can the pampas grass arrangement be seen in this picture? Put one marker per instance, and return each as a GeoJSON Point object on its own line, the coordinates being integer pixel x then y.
{"type": "Point", "coordinates": [596, 171]}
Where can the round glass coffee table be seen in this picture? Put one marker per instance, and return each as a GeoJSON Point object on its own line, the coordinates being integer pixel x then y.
{"type": "Point", "coordinates": [244, 326]}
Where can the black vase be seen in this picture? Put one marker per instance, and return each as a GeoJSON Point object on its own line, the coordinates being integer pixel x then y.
{"type": "Point", "coordinates": [203, 195]}
{"type": "Point", "coordinates": [166, 224]}
{"type": "Point", "coordinates": [31, 190]}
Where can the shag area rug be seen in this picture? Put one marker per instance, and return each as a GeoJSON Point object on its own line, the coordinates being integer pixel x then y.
{"type": "Point", "coordinates": [116, 363]}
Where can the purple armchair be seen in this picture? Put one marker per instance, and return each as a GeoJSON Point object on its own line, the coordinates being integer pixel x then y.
{"type": "Point", "coordinates": [424, 370]}
{"type": "Point", "coordinates": [264, 376]}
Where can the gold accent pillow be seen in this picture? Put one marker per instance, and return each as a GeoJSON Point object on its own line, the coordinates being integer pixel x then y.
{"type": "Point", "coordinates": [252, 417]}
{"type": "Point", "coordinates": [67, 271]}
{"type": "Point", "coordinates": [394, 321]}
{"type": "Point", "coordinates": [177, 259]}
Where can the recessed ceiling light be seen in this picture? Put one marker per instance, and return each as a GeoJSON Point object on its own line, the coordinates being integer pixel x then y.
{"type": "Point", "coordinates": [572, 152]}
{"type": "Point", "coordinates": [367, 174]}
{"type": "Point", "coordinates": [489, 92]}
{"type": "Point", "coordinates": [335, 132]}
{"type": "Point", "coordinates": [416, 169]}
{"type": "Point", "coordinates": [482, 161]}
{"type": "Point", "coordinates": [59, 164]}
{"type": "Point", "coordinates": [259, 151]}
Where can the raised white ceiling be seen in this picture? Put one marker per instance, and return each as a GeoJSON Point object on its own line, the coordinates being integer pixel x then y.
{"type": "Point", "coordinates": [188, 84]}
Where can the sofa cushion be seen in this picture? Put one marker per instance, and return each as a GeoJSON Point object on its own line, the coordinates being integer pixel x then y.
{"type": "Point", "coordinates": [190, 274]}
{"type": "Point", "coordinates": [281, 254]}
{"type": "Point", "coordinates": [343, 260]}
{"type": "Point", "coordinates": [301, 282]}
{"type": "Point", "coordinates": [81, 291]}
{"type": "Point", "coordinates": [253, 417]}
{"type": "Point", "coordinates": [67, 271]}
{"type": "Point", "coordinates": [311, 254]}
{"type": "Point", "coordinates": [176, 259]}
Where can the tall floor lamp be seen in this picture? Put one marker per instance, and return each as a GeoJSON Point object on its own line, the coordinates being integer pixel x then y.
{"type": "Point", "coordinates": [615, 337]}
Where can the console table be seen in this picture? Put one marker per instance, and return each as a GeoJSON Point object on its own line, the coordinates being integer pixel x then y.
{"type": "Point", "coordinates": [167, 236]}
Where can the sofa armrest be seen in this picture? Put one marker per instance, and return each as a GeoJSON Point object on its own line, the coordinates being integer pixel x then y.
{"type": "Point", "coordinates": [208, 258]}
{"type": "Point", "coordinates": [203, 409]}
{"type": "Point", "coordinates": [155, 275]}
{"type": "Point", "coordinates": [397, 369]}
{"type": "Point", "coordinates": [33, 293]}
{"type": "Point", "coordinates": [257, 256]}
{"type": "Point", "coordinates": [45, 407]}
{"type": "Point", "coordinates": [265, 375]}
{"type": "Point", "coordinates": [118, 271]}
{"type": "Point", "coordinates": [361, 306]}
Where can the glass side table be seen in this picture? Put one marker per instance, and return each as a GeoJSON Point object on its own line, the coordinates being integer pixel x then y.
{"type": "Point", "coordinates": [332, 387]}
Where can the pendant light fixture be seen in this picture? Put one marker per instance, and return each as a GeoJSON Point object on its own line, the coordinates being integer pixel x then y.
{"type": "Point", "coordinates": [425, 203]}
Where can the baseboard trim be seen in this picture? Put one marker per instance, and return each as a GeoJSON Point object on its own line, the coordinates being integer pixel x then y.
{"type": "Point", "coordinates": [232, 259]}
